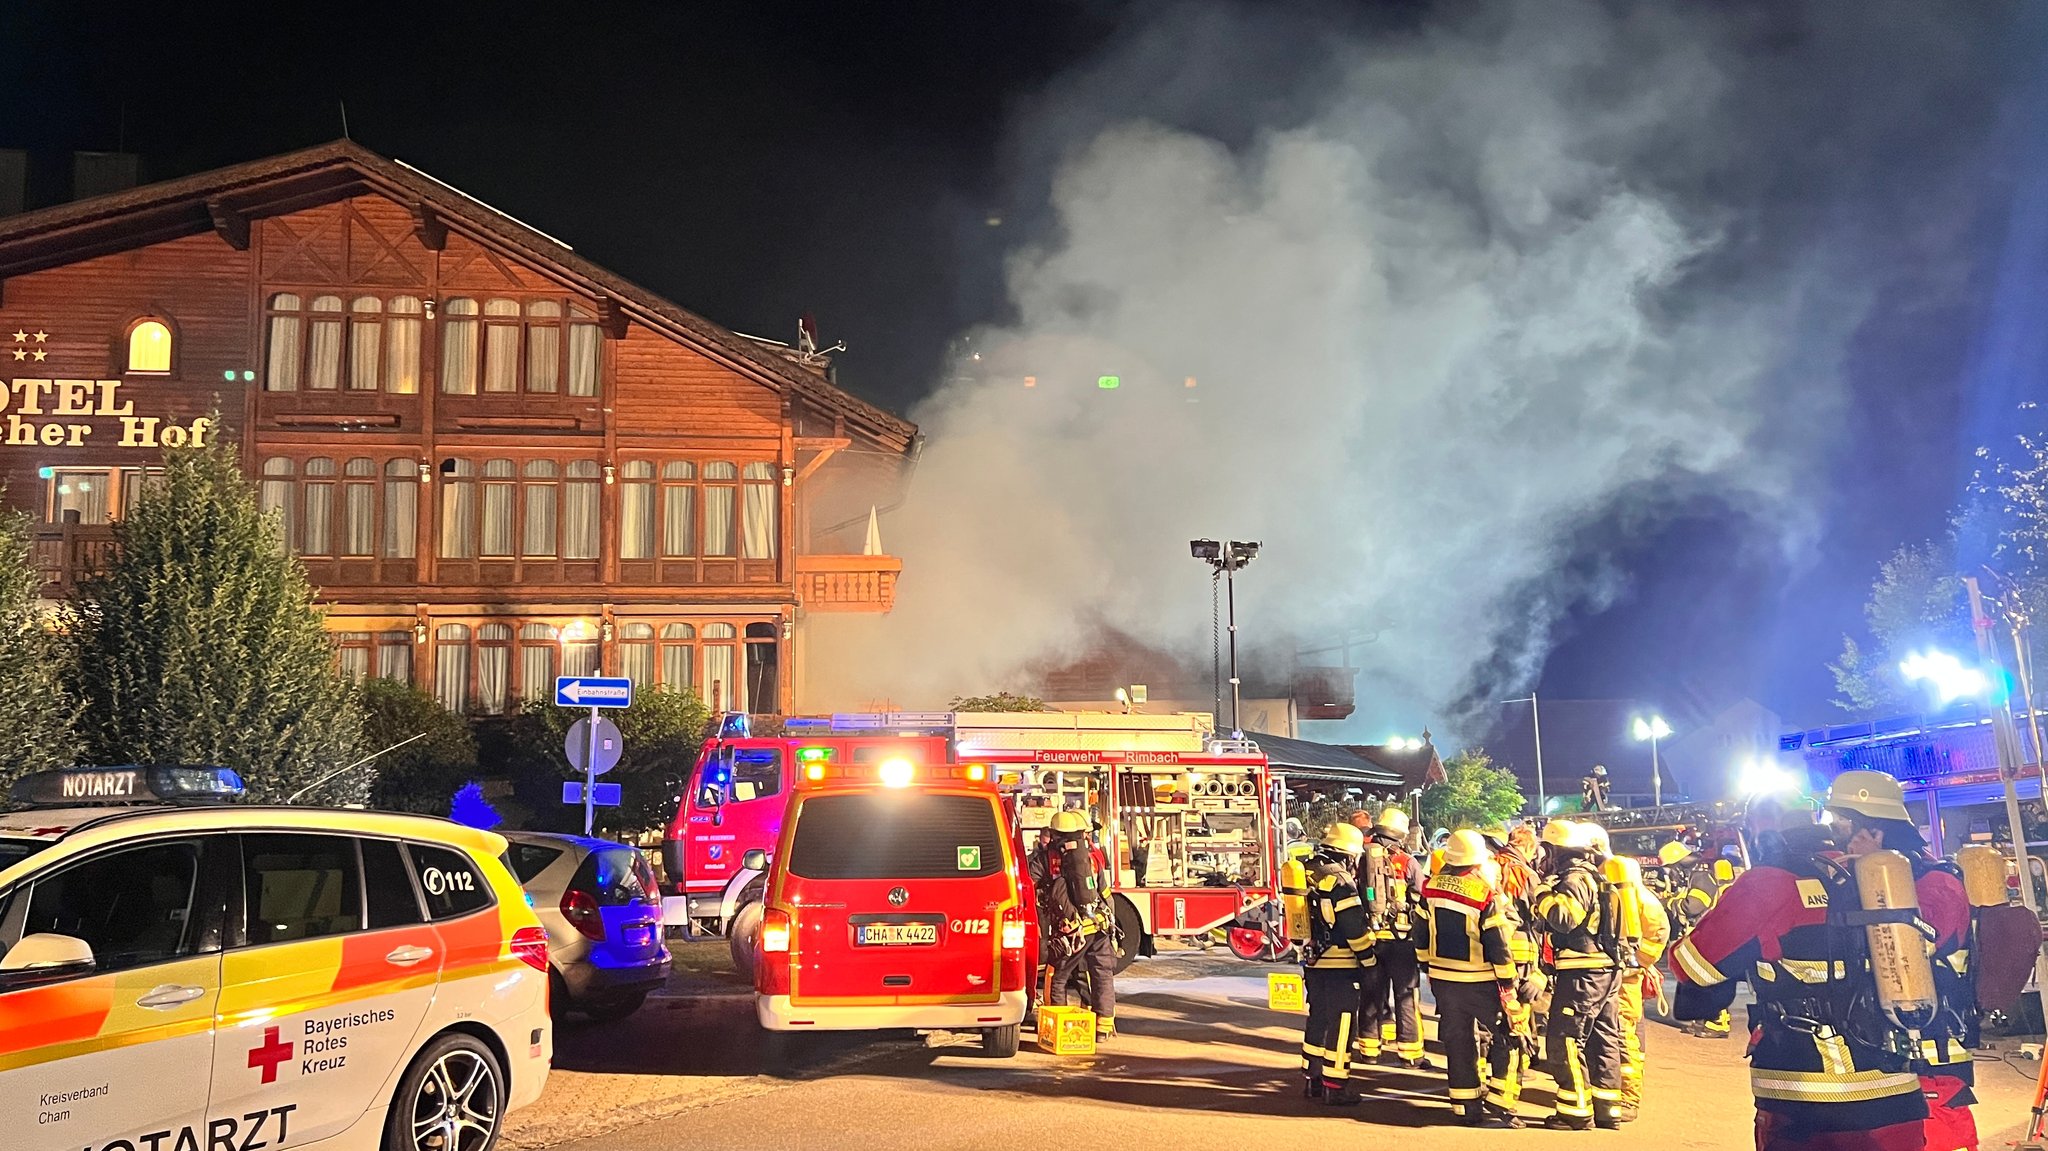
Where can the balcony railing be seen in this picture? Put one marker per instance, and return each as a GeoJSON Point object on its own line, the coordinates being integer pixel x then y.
{"type": "Point", "coordinates": [847, 583]}
{"type": "Point", "coordinates": [66, 553]}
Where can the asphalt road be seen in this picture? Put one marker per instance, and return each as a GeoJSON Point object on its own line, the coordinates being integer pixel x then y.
{"type": "Point", "coordinates": [1202, 1063]}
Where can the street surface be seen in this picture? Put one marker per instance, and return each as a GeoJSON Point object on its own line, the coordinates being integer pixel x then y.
{"type": "Point", "coordinates": [1201, 1063]}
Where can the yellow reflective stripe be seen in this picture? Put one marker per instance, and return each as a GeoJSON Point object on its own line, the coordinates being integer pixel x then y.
{"type": "Point", "coordinates": [1465, 1093]}
{"type": "Point", "coordinates": [1695, 966]}
{"type": "Point", "coordinates": [1347, 904]}
{"type": "Point", "coordinates": [1342, 1054]}
{"type": "Point", "coordinates": [1834, 1054]}
{"type": "Point", "coordinates": [50, 1053]}
{"type": "Point", "coordinates": [1806, 970]}
{"type": "Point", "coordinates": [1823, 1087]}
{"type": "Point", "coordinates": [1767, 971]}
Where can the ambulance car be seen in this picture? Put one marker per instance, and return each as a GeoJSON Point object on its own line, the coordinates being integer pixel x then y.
{"type": "Point", "coordinates": [896, 899]}
{"type": "Point", "coordinates": [180, 973]}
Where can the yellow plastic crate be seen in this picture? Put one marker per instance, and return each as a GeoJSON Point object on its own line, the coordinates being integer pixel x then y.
{"type": "Point", "coordinates": [1285, 992]}
{"type": "Point", "coordinates": [1066, 1030]}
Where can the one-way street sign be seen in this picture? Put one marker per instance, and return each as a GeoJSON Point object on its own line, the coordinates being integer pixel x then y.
{"type": "Point", "coordinates": [593, 691]}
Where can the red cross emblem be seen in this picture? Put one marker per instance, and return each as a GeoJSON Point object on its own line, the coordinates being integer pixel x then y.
{"type": "Point", "coordinates": [47, 831]}
{"type": "Point", "coordinates": [269, 1054]}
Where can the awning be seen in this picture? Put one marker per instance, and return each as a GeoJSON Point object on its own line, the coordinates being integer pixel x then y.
{"type": "Point", "coordinates": [1299, 759]}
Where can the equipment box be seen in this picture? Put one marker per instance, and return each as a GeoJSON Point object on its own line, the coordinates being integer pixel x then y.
{"type": "Point", "coordinates": [1066, 1030]}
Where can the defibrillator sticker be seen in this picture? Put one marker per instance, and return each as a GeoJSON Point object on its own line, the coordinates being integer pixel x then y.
{"type": "Point", "coordinates": [967, 858]}
{"type": "Point", "coordinates": [1812, 893]}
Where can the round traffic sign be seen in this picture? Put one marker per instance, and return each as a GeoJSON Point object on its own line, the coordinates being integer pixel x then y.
{"type": "Point", "coordinates": [609, 745]}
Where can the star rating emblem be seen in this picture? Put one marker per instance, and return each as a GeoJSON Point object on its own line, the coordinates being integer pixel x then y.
{"type": "Point", "coordinates": [22, 336]}
{"type": "Point", "coordinates": [20, 355]}
{"type": "Point", "coordinates": [19, 336]}
{"type": "Point", "coordinates": [40, 354]}
{"type": "Point", "coordinates": [41, 336]}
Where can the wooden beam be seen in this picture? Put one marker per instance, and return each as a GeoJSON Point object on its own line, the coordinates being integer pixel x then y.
{"type": "Point", "coordinates": [826, 449]}
{"type": "Point", "coordinates": [611, 317]}
{"type": "Point", "coordinates": [431, 230]}
{"type": "Point", "coordinates": [229, 224]}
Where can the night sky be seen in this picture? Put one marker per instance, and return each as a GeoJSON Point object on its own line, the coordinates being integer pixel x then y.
{"type": "Point", "coordinates": [757, 161]}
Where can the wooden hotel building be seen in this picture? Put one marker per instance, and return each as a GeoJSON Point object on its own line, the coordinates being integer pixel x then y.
{"type": "Point", "coordinates": [498, 461]}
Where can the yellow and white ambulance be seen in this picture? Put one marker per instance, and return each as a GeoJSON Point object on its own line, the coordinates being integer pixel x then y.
{"type": "Point", "coordinates": [178, 973]}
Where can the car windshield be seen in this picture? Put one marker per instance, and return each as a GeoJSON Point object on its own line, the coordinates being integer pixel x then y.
{"type": "Point", "coordinates": [13, 851]}
{"type": "Point", "coordinates": [896, 835]}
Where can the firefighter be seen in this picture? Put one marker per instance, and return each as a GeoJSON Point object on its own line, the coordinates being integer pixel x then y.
{"type": "Point", "coordinates": [1514, 1036]}
{"type": "Point", "coordinates": [1463, 937]}
{"type": "Point", "coordinates": [1641, 982]}
{"type": "Point", "coordinates": [1083, 927]}
{"type": "Point", "coordinates": [1593, 789]}
{"type": "Point", "coordinates": [1833, 1035]}
{"type": "Point", "coordinates": [1582, 1037]}
{"type": "Point", "coordinates": [1391, 880]}
{"type": "Point", "coordinates": [1338, 943]}
{"type": "Point", "coordinates": [1704, 886]}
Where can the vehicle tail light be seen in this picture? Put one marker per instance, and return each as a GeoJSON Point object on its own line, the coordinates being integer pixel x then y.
{"type": "Point", "coordinates": [1013, 931]}
{"type": "Point", "coordinates": [580, 909]}
{"type": "Point", "coordinates": [775, 927]}
{"type": "Point", "coordinates": [529, 945]}
{"type": "Point", "coordinates": [1016, 966]}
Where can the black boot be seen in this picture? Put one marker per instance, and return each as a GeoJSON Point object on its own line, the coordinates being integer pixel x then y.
{"type": "Point", "coordinates": [1345, 1096]}
{"type": "Point", "coordinates": [1312, 1087]}
{"type": "Point", "coordinates": [1568, 1123]}
{"type": "Point", "coordinates": [1472, 1114]}
{"type": "Point", "coordinates": [1502, 1117]}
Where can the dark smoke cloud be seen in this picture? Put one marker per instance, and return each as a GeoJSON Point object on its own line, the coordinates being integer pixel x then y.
{"type": "Point", "coordinates": [1465, 298]}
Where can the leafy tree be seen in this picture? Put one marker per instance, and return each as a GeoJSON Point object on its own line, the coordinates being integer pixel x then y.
{"type": "Point", "coordinates": [424, 774]}
{"type": "Point", "coordinates": [201, 643]}
{"type": "Point", "coordinates": [1474, 792]}
{"type": "Point", "coordinates": [1916, 602]}
{"type": "Point", "coordinates": [1000, 701]}
{"type": "Point", "coordinates": [36, 726]}
{"type": "Point", "coordinates": [663, 731]}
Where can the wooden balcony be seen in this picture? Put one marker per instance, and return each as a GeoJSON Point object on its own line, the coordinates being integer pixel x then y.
{"type": "Point", "coordinates": [1325, 692]}
{"type": "Point", "coordinates": [64, 554]}
{"type": "Point", "coordinates": [847, 583]}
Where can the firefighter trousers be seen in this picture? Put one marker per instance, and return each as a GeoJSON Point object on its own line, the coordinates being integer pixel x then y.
{"type": "Point", "coordinates": [1629, 1008]}
{"type": "Point", "coordinates": [1391, 1012]}
{"type": "Point", "coordinates": [1507, 1056]}
{"type": "Point", "coordinates": [1582, 1041]}
{"type": "Point", "coordinates": [1332, 1021]}
{"type": "Point", "coordinates": [1096, 960]}
{"type": "Point", "coordinates": [1463, 1010]}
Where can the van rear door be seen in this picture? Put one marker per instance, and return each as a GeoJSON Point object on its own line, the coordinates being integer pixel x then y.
{"type": "Point", "coordinates": [897, 897]}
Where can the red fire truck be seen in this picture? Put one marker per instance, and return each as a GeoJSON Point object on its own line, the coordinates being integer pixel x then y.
{"type": "Point", "coordinates": [1187, 817]}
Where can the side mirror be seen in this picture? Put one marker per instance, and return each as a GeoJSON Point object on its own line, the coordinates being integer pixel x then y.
{"type": "Point", "coordinates": [45, 958]}
{"type": "Point", "coordinates": [754, 860]}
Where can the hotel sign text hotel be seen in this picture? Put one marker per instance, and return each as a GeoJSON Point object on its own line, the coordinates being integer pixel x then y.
{"type": "Point", "coordinates": [50, 414]}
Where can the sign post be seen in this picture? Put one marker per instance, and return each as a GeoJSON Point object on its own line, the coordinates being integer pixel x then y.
{"type": "Point", "coordinates": [596, 693]}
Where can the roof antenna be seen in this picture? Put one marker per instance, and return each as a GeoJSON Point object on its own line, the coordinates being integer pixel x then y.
{"type": "Point", "coordinates": [344, 120]}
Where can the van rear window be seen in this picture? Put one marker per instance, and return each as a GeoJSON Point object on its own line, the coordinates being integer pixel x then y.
{"type": "Point", "coordinates": [896, 835]}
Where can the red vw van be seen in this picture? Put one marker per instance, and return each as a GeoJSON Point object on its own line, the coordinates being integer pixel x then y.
{"type": "Point", "coordinates": [896, 899]}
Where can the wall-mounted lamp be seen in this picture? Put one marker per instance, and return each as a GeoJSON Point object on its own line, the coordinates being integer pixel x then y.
{"type": "Point", "coordinates": [788, 475]}
{"type": "Point", "coordinates": [426, 473]}
{"type": "Point", "coordinates": [611, 475]}
{"type": "Point", "coordinates": [604, 631]}
{"type": "Point", "coordinates": [419, 633]}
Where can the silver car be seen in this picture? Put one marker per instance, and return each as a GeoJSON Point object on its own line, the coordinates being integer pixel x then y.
{"type": "Point", "coordinates": [602, 911]}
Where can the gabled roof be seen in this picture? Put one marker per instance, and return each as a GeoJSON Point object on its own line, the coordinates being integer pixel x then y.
{"type": "Point", "coordinates": [226, 199]}
{"type": "Point", "coordinates": [1414, 766]}
{"type": "Point", "coordinates": [1303, 759]}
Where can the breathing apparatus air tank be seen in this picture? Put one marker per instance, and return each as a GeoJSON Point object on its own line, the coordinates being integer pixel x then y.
{"type": "Point", "coordinates": [1372, 876]}
{"type": "Point", "coordinates": [1294, 898]}
{"type": "Point", "coordinates": [1898, 952]}
{"type": "Point", "coordinates": [1983, 871]}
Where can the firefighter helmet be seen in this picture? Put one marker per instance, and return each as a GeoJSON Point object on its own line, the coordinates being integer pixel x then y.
{"type": "Point", "coordinates": [1560, 833]}
{"type": "Point", "coordinates": [1344, 838]}
{"type": "Point", "coordinates": [1673, 852]}
{"type": "Point", "coordinates": [1069, 822]}
{"type": "Point", "coordinates": [1495, 835]}
{"type": "Point", "coordinates": [1393, 821]}
{"type": "Point", "coordinates": [1593, 837]}
{"type": "Point", "coordinates": [1600, 770]}
{"type": "Point", "coordinates": [1870, 794]}
{"type": "Point", "coordinates": [1465, 848]}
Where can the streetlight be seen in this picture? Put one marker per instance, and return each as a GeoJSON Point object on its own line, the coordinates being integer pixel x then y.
{"type": "Point", "coordinates": [1535, 721]}
{"type": "Point", "coordinates": [1228, 558]}
{"type": "Point", "coordinates": [1950, 678]}
{"type": "Point", "coordinates": [1653, 729]}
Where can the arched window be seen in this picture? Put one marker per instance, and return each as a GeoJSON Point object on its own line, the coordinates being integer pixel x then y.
{"type": "Point", "coordinates": [353, 650]}
{"type": "Point", "coordinates": [458, 347]}
{"type": "Point", "coordinates": [316, 529]}
{"type": "Point", "coordinates": [451, 666]}
{"type": "Point", "coordinates": [286, 343]}
{"type": "Point", "coordinates": [636, 654]}
{"type": "Point", "coordinates": [323, 344]}
{"type": "Point", "coordinates": [678, 523]}
{"type": "Point", "coordinates": [274, 494]}
{"type": "Point", "coordinates": [537, 539]}
{"type": "Point", "coordinates": [499, 492]}
{"type": "Point", "coordinates": [636, 510]}
{"type": "Point", "coordinates": [402, 345]}
{"type": "Point", "coordinates": [458, 510]}
{"type": "Point", "coordinates": [401, 509]}
{"type": "Point", "coordinates": [720, 494]}
{"type": "Point", "coordinates": [580, 650]}
{"type": "Point", "coordinates": [581, 499]}
{"type": "Point", "coordinates": [757, 535]}
{"type": "Point", "coordinates": [583, 352]}
{"type": "Point", "coordinates": [763, 669]}
{"type": "Point", "coordinates": [721, 688]}
{"type": "Point", "coordinates": [359, 508]}
{"type": "Point", "coordinates": [149, 346]}
{"type": "Point", "coordinates": [501, 345]}
{"type": "Point", "coordinates": [493, 668]}
{"type": "Point", "coordinates": [678, 657]}
{"type": "Point", "coordinates": [365, 343]}
{"type": "Point", "coordinates": [537, 660]}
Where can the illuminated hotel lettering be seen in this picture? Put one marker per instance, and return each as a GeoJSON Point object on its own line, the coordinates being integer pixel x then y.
{"type": "Point", "coordinates": [86, 399]}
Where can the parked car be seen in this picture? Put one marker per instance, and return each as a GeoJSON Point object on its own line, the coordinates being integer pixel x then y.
{"type": "Point", "coordinates": [602, 910]}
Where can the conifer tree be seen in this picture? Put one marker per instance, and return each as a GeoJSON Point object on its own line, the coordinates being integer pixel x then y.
{"type": "Point", "coordinates": [36, 725]}
{"type": "Point", "coordinates": [201, 643]}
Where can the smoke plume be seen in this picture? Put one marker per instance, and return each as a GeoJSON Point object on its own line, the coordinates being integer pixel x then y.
{"type": "Point", "coordinates": [1436, 312]}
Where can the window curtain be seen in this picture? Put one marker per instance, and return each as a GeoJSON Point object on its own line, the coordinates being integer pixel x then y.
{"type": "Point", "coordinates": [678, 533]}
{"type": "Point", "coordinates": [636, 511]}
{"type": "Point", "coordinates": [583, 359]}
{"type": "Point", "coordinates": [543, 346]}
{"type": "Point", "coordinates": [581, 499]}
{"type": "Point", "coordinates": [354, 648]}
{"type": "Point", "coordinates": [678, 657]}
{"type": "Point", "coordinates": [402, 346]}
{"type": "Point", "coordinates": [536, 661]}
{"type": "Point", "coordinates": [579, 657]}
{"type": "Point", "coordinates": [365, 343]}
{"type": "Point", "coordinates": [493, 668]}
{"type": "Point", "coordinates": [501, 347]}
{"type": "Point", "coordinates": [498, 488]}
{"type": "Point", "coordinates": [458, 512]}
{"type": "Point", "coordinates": [401, 513]}
{"type": "Point", "coordinates": [316, 531]}
{"type": "Point", "coordinates": [275, 495]}
{"type": "Point", "coordinates": [538, 539]}
{"type": "Point", "coordinates": [451, 666]}
{"type": "Point", "coordinates": [84, 492]}
{"type": "Point", "coordinates": [323, 359]}
{"type": "Point", "coordinates": [636, 654]}
{"type": "Point", "coordinates": [282, 374]}
{"type": "Point", "coordinates": [359, 508]}
{"type": "Point", "coordinates": [718, 509]}
{"type": "Point", "coordinates": [721, 689]}
{"type": "Point", "coordinates": [458, 348]}
{"type": "Point", "coordinates": [394, 656]}
{"type": "Point", "coordinates": [758, 537]}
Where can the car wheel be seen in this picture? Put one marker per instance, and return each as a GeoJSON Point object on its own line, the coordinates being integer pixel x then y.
{"type": "Point", "coordinates": [452, 1098]}
{"type": "Point", "coordinates": [617, 1007]}
{"type": "Point", "coordinates": [779, 1052]}
{"type": "Point", "coordinates": [741, 935]}
{"type": "Point", "coordinates": [999, 1042]}
{"type": "Point", "coordinates": [1130, 933]}
{"type": "Point", "coordinates": [558, 996]}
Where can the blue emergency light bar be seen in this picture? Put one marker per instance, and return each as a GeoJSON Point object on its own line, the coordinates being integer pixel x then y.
{"type": "Point", "coordinates": [107, 786]}
{"type": "Point", "coordinates": [923, 721]}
